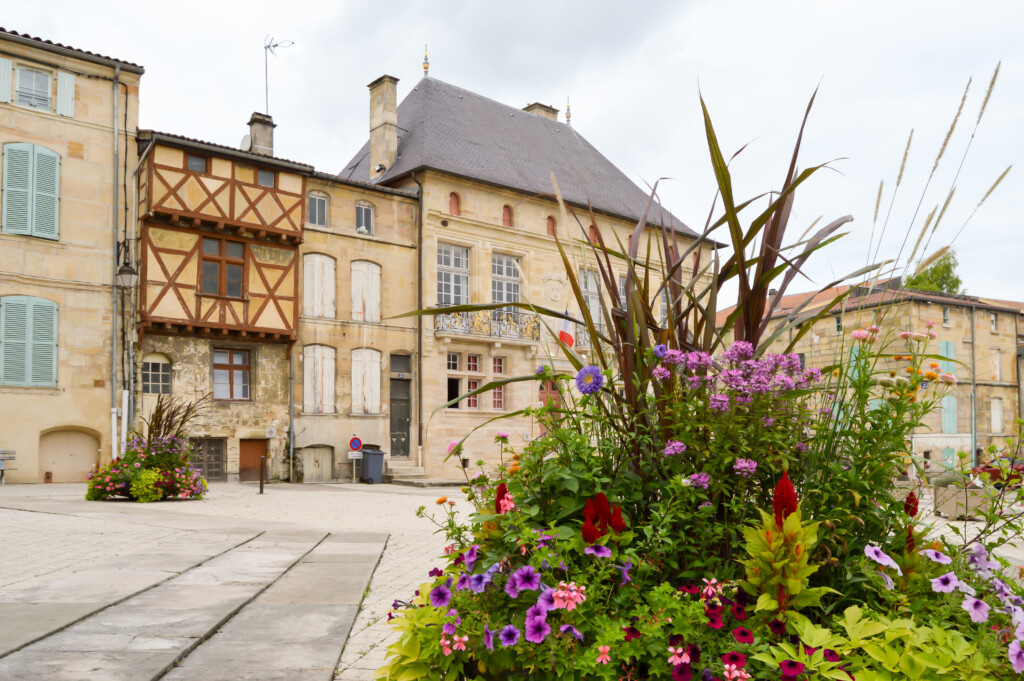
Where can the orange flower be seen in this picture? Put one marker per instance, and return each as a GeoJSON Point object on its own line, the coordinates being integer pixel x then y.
{"type": "Point", "coordinates": [909, 370]}
{"type": "Point", "coordinates": [934, 365]}
{"type": "Point", "coordinates": [931, 375]}
{"type": "Point", "coordinates": [441, 500]}
{"type": "Point", "coordinates": [892, 373]}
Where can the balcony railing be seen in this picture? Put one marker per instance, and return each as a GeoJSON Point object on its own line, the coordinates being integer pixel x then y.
{"type": "Point", "coordinates": [493, 323]}
{"type": "Point", "coordinates": [583, 337]}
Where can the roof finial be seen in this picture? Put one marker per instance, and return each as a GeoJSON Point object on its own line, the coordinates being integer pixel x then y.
{"type": "Point", "coordinates": [568, 112]}
{"type": "Point", "coordinates": [426, 62]}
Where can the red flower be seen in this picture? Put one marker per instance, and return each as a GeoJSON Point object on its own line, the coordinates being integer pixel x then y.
{"type": "Point", "coordinates": [618, 524]}
{"type": "Point", "coordinates": [743, 635]}
{"type": "Point", "coordinates": [784, 501]}
{"type": "Point", "coordinates": [911, 544]}
{"type": "Point", "coordinates": [631, 633]}
{"type": "Point", "coordinates": [590, 533]}
{"type": "Point", "coordinates": [502, 493]}
{"type": "Point", "coordinates": [739, 612]}
{"type": "Point", "coordinates": [732, 657]}
{"type": "Point", "coordinates": [714, 610]}
{"type": "Point", "coordinates": [778, 627]}
{"type": "Point", "coordinates": [693, 589]}
{"type": "Point", "coordinates": [715, 622]}
{"type": "Point", "coordinates": [682, 672]}
{"type": "Point", "coordinates": [910, 505]}
{"type": "Point", "coordinates": [598, 512]}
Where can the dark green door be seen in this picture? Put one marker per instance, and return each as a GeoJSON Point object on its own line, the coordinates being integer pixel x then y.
{"type": "Point", "coordinates": [401, 408]}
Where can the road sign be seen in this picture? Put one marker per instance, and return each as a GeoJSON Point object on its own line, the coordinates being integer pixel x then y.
{"type": "Point", "coordinates": [355, 444]}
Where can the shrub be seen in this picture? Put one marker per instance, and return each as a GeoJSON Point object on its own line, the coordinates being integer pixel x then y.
{"type": "Point", "coordinates": [144, 487]}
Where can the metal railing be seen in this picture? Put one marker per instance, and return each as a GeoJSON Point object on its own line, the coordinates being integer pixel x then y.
{"type": "Point", "coordinates": [501, 323]}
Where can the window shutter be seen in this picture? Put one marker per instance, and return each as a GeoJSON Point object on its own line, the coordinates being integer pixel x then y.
{"type": "Point", "coordinates": [310, 294]}
{"type": "Point", "coordinates": [14, 340]}
{"type": "Point", "coordinates": [65, 94]}
{"type": "Point", "coordinates": [948, 349]}
{"type": "Point", "coordinates": [6, 69]}
{"type": "Point", "coordinates": [372, 291]}
{"type": "Point", "coordinates": [327, 277]}
{"type": "Point", "coordinates": [43, 343]}
{"type": "Point", "coordinates": [371, 383]}
{"type": "Point", "coordinates": [997, 415]}
{"type": "Point", "coordinates": [308, 377]}
{"type": "Point", "coordinates": [46, 193]}
{"type": "Point", "coordinates": [327, 381]}
{"type": "Point", "coordinates": [17, 208]}
{"type": "Point", "coordinates": [358, 281]}
{"type": "Point", "coordinates": [949, 424]}
{"type": "Point", "coordinates": [357, 381]}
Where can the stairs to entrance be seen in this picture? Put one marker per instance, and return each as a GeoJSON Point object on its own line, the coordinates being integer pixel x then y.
{"type": "Point", "coordinates": [405, 472]}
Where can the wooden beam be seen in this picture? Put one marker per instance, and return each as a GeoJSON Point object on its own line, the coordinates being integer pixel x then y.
{"type": "Point", "coordinates": [196, 222]}
{"type": "Point", "coordinates": [223, 332]}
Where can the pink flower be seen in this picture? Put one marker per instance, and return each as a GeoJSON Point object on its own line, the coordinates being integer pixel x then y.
{"type": "Point", "coordinates": [932, 334]}
{"type": "Point", "coordinates": [904, 335]}
{"type": "Point", "coordinates": [460, 642]}
{"type": "Point", "coordinates": [506, 504]}
{"type": "Point", "coordinates": [660, 373]}
{"type": "Point", "coordinates": [502, 434]}
{"type": "Point", "coordinates": [452, 445]}
{"type": "Point", "coordinates": [929, 323]}
{"type": "Point", "coordinates": [711, 588]}
{"type": "Point", "coordinates": [948, 378]}
{"type": "Point", "coordinates": [678, 656]}
{"type": "Point", "coordinates": [734, 672]}
{"type": "Point", "coordinates": [874, 328]}
{"type": "Point", "coordinates": [604, 657]}
{"type": "Point", "coordinates": [859, 334]}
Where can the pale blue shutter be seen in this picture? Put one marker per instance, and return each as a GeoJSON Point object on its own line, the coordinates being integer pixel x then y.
{"type": "Point", "coordinates": [949, 424]}
{"type": "Point", "coordinates": [17, 199]}
{"type": "Point", "coordinates": [46, 193]}
{"type": "Point", "coordinates": [65, 94]}
{"type": "Point", "coordinates": [14, 340]}
{"type": "Point", "coordinates": [42, 369]}
{"type": "Point", "coordinates": [6, 69]}
{"type": "Point", "coordinates": [948, 349]}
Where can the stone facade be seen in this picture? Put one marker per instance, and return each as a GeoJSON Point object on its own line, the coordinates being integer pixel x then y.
{"type": "Point", "coordinates": [64, 427]}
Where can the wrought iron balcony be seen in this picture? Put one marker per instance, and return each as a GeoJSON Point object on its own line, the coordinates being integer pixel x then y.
{"type": "Point", "coordinates": [583, 337]}
{"type": "Point", "coordinates": [494, 323]}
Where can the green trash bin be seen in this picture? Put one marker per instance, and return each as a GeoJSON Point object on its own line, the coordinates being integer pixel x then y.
{"type": "Point", "coordinates": [373, 466]}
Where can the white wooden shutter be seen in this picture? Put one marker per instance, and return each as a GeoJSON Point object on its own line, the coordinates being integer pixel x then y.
{"type": "Point", "coordinates": [65, 94]}
{"type": "Point", "coordinates": [43, 330]}
{"type": "Point", "coordinates": [997, 415]}
{"type": "Point", "coordinates": [358, 379]}
{"type": "Point", "coordinates": [371, 383]}
{"type": "Point", "coordinates": [308, 379]}
{"type": "Point", "coordinates": [371, 289]}
{"type": "Point", "coordinates": [358, 298]}
{"type": "Point", "coordinates": [45, 193]}
{"type": "Point", "coordinates": [327, 279]}
{"type": "Point", "coordinates": [327, 380]}
{"type": "Point", "coordinates": [309, 278]}
{"type": "Point", "coordinates": [14, 340]}
{"type": "Point", "coordinates": [6, 69]}
{"type": "Point", "coordinates": [17, 198]}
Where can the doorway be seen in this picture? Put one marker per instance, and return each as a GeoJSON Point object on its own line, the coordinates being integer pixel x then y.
{"type": "Point", "coordinates": [317, 464]}
{"type": "Point", "coordinates": [68, 455]}
{"type": "Point", "coordinates": [249, 455]}
{"type": "Point", "coordinates": [549, 396]}
{"type": "Point", "coordinates": [401, 410]}
{"type": "Point", "coordinates": [208, 456]}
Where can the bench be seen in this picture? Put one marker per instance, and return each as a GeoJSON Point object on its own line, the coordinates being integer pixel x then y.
{"type": "Point", "coordinates": [5, 456]}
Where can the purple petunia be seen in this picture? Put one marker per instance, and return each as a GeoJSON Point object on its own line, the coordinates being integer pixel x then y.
{"type": "Point", "coordinates": [598, 551]}
{"type": "Point", "coordinates": [449, 628]}
{"type": "Point", "coordinates": [624, 570]}
{"type": "Point", "coordinates": [831, 655]}
{"type": "Point", "coordinates": [979, 560]}
{"type": "Point", "coordinates": [436, 572]}
{"type": "Point", "coordinates": [572, 631]}
{"type": "Point", "coordinates": [536, 611]}
{"type": "Point", "coordinates": [537, 629]}
{"type": "Point", "coordinates": [701, 480]}
{"type": "Point", "coordinates": [477, 583]}
{"type": "Point", "coordinates": [512, 587]}
{"type": "Point", "coordinates": [463, 583]}
{"type": "Point", "coordinates": [659, 350]}
{"type": "Point", "coordinates": [976, 608]}
{"type": "Point", "coordinates": [527, 578]}
{"type": "Point", "coordinates": [488, 638]}
{"type": "Point", "coordinates": [440, 596]}
{"type": "Point", "coordinates": [509, 636]}
{"type": "Point", "coordinates": [589, 380]}
{"type": "Point", "coordinates": [673, 447]}
{"type": "Point", "coordinates": [946, 583]}
{"type": "Point", "coordinates": [546, 599]}
{"type": "Point", "coordinates": [936, 557]}
{"type": "Point", "coordinates": [469, 557]}
{"type": "Point", "coordinates": [887, 581]}
{"type": "Point", "coordinates": [1016, 656]}
{"type": "Point", "coordinates": [882, 558]}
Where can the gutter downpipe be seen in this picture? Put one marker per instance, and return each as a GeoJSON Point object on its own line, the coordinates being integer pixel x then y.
{"type": "Point", "coordinates": [974, 396]}
{"type": "Point", "coordinates": [291, 414]}
{"type": "Point", "coordinates": [135, 225]}
{"type": "Point", "coordinates": [419, 325]}
{"type": "Point", "coordinates": [113, 281]}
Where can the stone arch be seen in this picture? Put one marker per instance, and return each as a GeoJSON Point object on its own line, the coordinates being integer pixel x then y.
{"type": "Point", "coordinates": [68, 453]}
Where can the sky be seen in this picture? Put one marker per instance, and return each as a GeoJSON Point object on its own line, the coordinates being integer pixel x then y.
{"type": "Point", "coordinates": [634, 73]}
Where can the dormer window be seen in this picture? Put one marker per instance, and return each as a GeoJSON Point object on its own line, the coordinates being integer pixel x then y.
{"type": "Point", "coordinates": [506, 216]}
{"type": "Point", "coordinates": [453, 204]}
{"type": "Point", "coordinates": [364, 219]}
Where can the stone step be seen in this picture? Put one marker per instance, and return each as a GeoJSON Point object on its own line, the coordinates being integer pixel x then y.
{"type": "Point", "coordinates": [407, 470]}
{"type": "Point", "coordinates": [426, 482]}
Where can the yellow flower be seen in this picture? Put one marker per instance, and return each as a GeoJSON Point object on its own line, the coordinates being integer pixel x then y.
{"type": "Point", "coordinates": [931, 375]}
{"type": "Point", "coordinates": [892, 373]}
{"type": "Point", "coordinates": [441, 500]}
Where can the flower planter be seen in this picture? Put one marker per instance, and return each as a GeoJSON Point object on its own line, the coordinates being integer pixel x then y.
{"type": "Point", "coordinates": [957, 502]}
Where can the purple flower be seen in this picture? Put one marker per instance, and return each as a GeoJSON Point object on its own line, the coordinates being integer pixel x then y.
{"type": "Point", "coordinates": [469, 558]}
{"type": "Point", "coordinates": [937, 557]}
{"type": "Point", "coordinates": [946, 583]}
{"type": "Point", "coordinates": [463, 582]}
{"type": "Point", "coordinates": [527, 578]}
{"type": "Point", "coordinates": [546, 599]}
{"type": "Point", "coordinates": [477, 583]}
{"type": "Point", "coordinates": [976, 608]}
{"type": "Point", "coordinates": [509, 636]}
{"type": "Point", "coordinates": [674, 357]}
{"type": "Point", "coordinates": [598, 551]}
{"type": "Point", "coordinates": [831, 655]}
{"type": "Point", "coordinates": [589, 380]}
{"type": "Point", "coordinates": [745, 467]}
{"type": "Point", "coordinates": [964, 587]}
{"type": "Point", "coordinates": [768, 421]}
{"type": "Point", "coordinates": [1002, 591]}
{"type": "Point", "coordinates": [436, 572]}
{"type": "Point", "coordinates": [879, 556]}
{"type": "Point", "coordinates": [660, 350]}
{"type": "Point", "coordinates": [512, 587]}
{"type": "Point", "coordinates": [537, 629]}
{"type": "Point", "coordinates": [536, 611]}
{"type": "Point", "coordinates": [701, 480]}
{"type": "Point", "coordinates": [887, 581]}
{"type": "Point", "coordinates": [572, 631]}
{"type": "Point", "coordinates": [739, 351]}
{"type": "Point", "coordinates": [624, 571]}
{"type": "Point", "coordinates": [1016, 656]}
{"type": "Point", "coordinates": [660, 373]}
{"type": "Point", "coordinates": [719, 402]}
{"type": "Point", "coordinates": [440, 596]}
{"type": "Point", "coordinates": [541, 370]}
{"type": "Point", "coordinates": [979, 560]}
{"type": "Point", "coordinates": [673, 447]}
{"type": "Point", "coordinates": [449, 628]}
{"type": "Point", "coordinates": [488, 638]}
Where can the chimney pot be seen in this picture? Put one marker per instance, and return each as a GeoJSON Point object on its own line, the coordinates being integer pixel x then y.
{"type": "Point", "coordinates": [542, 110]}
{"type": "Point", "coordinates": [383, 124]}
{"type": "Point", "coordinates": [261, 134]}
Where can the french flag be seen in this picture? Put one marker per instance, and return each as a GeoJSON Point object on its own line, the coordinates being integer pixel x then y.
{"type": "Point", "coordinates": [565, 333]}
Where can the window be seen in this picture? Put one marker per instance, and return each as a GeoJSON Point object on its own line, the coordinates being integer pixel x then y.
{"type": "Point", "coordinates": [365, 291]}
{"type": "Point", "coordinates": [230, 374]}
{"type": "Point", "coordinates": [473, 401]}
{"type": "Point", "coordinates": [452, 275]}
{"type": "Point", "coordinates": [506, 216]}
{"type": "Point", "coordinates": [265, 178]}
{"type": "Point", "coordinates": [498, 397]}
{"type": "Point", "coordinates": [223, 263]}
{"type": "Point", "coordinates": [997, 364]}
{"type": "Point", "coordinates": [318, 286]}
{"type": "Point", "coordinates": [34, 88]}
{"type": "Point", "coordinates": [803, 360]}
{"type": "Point", "coordinates": [994, 322]}
{"type": "Point", "coordinates": [453, 391]}
{"type": "Point", "coordinates": [454, 207]}
{"type": "Point", "coordinates": [499, 365]}
{"type": "Point", "coordinates": [552, 226]}
{"type": "Point", "coordinates": [364, 218]}
{"type": "Point", "coordinates": [317, 212]}
{"type": "Point", "coordinates": [401, 364]}
{"type": "Point", "coordinates": [365, 381]}
{"type": "Point", "coordinates": [196, 164]}
{"type": "Point", "coordinates": [839, 324]}
{"type": "Point", "coordinates": [504, 280]}
{"type": "Point", "coordinates": [156, 375]}
{"type": "Point", "coordinates": [997, 415]}
{"type": "Point", "coordinates": [28, 342]}
{"type": "Point", "coordinates": [453, 361]}
{"type": "Point", "coordinates": [472, 363]}
{"type": "Point", "coordinates": [31, 191]}
{"type": "Point", "coordinates": [590, 287]}
{"type": "Point", "coordinates": [318, 379]}
{"type": "Point", "coordinates": [622, 290]}
{"type": "Point", "coordinates": [945, 316]}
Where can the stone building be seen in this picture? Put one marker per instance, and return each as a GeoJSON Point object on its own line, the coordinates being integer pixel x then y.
{"type": "Point", "coordinates": [483, 172]}
{"type": "Point", "coordinates": [68, 120]}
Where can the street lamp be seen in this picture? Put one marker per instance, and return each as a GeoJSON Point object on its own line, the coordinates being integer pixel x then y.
{"type": "Point", "coordinates": [127, 277]}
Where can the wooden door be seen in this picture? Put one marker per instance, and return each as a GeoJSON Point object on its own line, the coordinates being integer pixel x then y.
{"type": "Point", "coordinates": [208, 457]}
{"type": "Point", "coordinates": [549, 395]}
{"type": "Point", "coordinates": [250, 452]}
{"type": "Point", "coordinates": [317, 464]}
{"type": "Point", "coordinates": [401, 410]}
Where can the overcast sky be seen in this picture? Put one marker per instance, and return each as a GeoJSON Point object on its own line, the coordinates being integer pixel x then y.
{"type": "Point", "coordinates": [633, 72]}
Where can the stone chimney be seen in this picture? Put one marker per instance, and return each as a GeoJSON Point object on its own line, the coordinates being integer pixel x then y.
{"type": "Point", "coordinates": [542, 110]}
{"type": "Point", "coordinates": [383, 125]}
{"type": "Point", "coordinates": [261, 134]}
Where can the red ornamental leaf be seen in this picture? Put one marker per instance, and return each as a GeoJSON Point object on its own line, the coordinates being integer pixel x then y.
{"type": "Point", "coordinates": [618, 524]}
{"type": "Point", "coordinates": [502, 493]}
{"type": "Point", "coordinates": [590, 533]}
{"type": "Point", "coordinates": [911, 544]}
{"type": "Point", "coordinates": [910, 505]}
{"type": "Point", "coordinates": [784, 502]}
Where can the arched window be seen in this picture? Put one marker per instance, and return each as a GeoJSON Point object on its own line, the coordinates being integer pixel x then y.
{"type": "Point", "coordinates": [156, 374]}
{"type": "Point", "coordinates": [365, 291]}
{"type": "Point", "coordinates": [318, 285]}
{"type": "Point", "coordinates": [506, 216]}
{"type": "Point", "coordinates": [365, 381]}
{"type": "Point", "coordinates": [364, 218]}
{"type": "Point", "coordinates": [552, 226]}
{"type": "Point", "coordinates": [318, 379]}
{"type": "Point", "coordinates": [28, 341]}
{"type": "Point", "coordinates": [454, 204]}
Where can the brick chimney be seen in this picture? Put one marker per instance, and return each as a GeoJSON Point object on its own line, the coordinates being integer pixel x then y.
{"type": "Point", "coordinates": [261, 134]}
{"type": "Point", "coordinates": [383, 125]}
{"type": "Point", "coordinates": [542, 110]}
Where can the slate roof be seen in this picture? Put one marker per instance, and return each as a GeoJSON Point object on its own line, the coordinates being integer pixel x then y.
{"type": "Point", "coordinates": [447, 128]}
{"type": "Point", "coordinates": [58, 48]}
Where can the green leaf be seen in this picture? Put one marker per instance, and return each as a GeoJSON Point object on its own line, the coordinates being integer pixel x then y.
{"type": "Point", "coordinates": [766, 602]}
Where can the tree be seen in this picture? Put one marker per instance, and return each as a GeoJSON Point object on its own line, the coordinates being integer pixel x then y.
{"type": "Point", "coordinates": [940, 276]}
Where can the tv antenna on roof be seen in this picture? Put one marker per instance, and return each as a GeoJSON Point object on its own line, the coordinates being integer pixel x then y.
{"type": "Point", "coordinates": [270, 46]}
